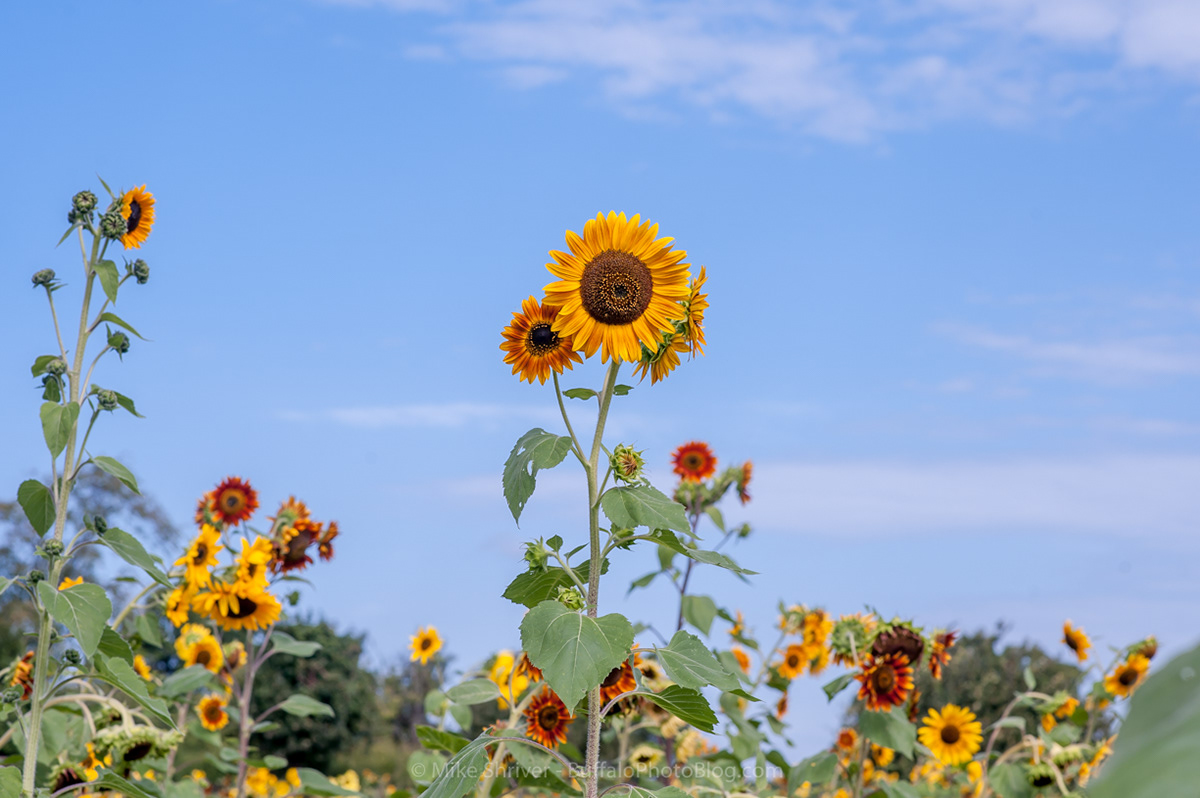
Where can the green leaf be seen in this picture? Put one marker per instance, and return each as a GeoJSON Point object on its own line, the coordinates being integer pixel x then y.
{"type": "Point", "coordinates": [303, 706]}
{"type": "Point", "coordinates": [10, 782]}
{"type": "Point", "coordinates": [313, 782]}
{"type": "Point", "coordinates": [117, 320]}
{"type": "Point", "coordinates": [39, 365]}
{"type": "Point", "coordinates": [439, 740]}
{"type": "Point", "coordinates": [1030, 682]}
{"type": "Point", "coordinates": [121, 674]}
{"type": "Point", "coordinates": [111, 781]}
{"type": "Point", "coordinates": [889, 729]}
{"type": "Point", "coordinates": [642, 505]}
{"type": "Point", "coordinates": [1009, 723]}
{"type": "Point", "coordinates": [538, 766]}
{"type": "Point", "coordinates": [4, 583]}
{"type": "Point", "coordinates": [899, 789]}
{"type": "Point", "coordinates": [184, 681]}
{"type": "Point", "coordinates": [689, 663]}
{"type": "Point", "coordinates": [699, 611]}
{"type": "Point", "coordinates": [533, 587]}
{"type": "Point", "coordinates": [130, 549]}
{"type": "Point", "coordinates": [113, 645]}
{"type": "Point", "coordinates": [106, 270]}
{"type": "Point", "coordinates": [284, 643]}
{"type": "Point", "coordinates": [461, 715]}
{"type": "Point", "coordinates": [668, 539]}
{"type": "Point", "coordinates": [111, 466]}
{"type": "Point", "coordinates": [634, 791]}
{"type": "Point", "coordinates": [714, 512]}
{"type": "Point", "coordinates": [436, 703]}
{"type": "Point", "coordinates": [1155, 753]}
{"type": "Point", "coordinates": [146, 627]}
{"type": "Point", "coordinates": [573, 393]}
{"type": "Point", "coordinates": [57, 423]}
{"type": "Point", "coordinates": [622, 390]}
{"type": "Point", "coordinates": [534, 450]}
{"type": "Point", "coordinates": [475, 691]}
{"type": "Point", "coordinates": [573, 651]}
{"type": "Point", "coordinates": [460, 774]}
{"type": "Point", "coordinates": [424, 767]}
{"type": "Point", "coordinates": [688, 705]}
{"type": "Point", "coordinates": [84, 609]}
{"type": "Point", "coordinates": [38, 504]}
{"type": "Point", "coordinates": [838, 685]}
{"type": "Point", "coordinates": [1010, 781]}
{"type": "Point", "coordinates": [817, 769]}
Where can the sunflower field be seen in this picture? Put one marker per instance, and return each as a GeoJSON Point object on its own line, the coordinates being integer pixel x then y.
{"type": "Point", "coordinates": [157, 691]}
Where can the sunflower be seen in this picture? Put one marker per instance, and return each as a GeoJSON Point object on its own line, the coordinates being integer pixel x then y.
{"type": "Point", "coordinates": [886, 681]}
{"type": "Point", "coordinates": [510, 682]}
{"type": "Point", "coordinates": [743, 659]}
{"type": "Point", "coordinates": [212, 714]}
{"type": "Point", "coordinates": [206, 652]}
{"type": "Point", "coordinates": [781, 706]}
{"type": "Point", "coordinates": [1127, 676]}
{"type": "Point", "coordinates": [238, 606]}
{"type": "Point", "coordinates": [619, 287]}
{"type": "Point", "coordinates": [661, 361]}
{"type": "Point", "coordinates": [1076, 640]}
{"type": "Point", "coordinates": [532, 346]}
{"type": "Point", "coordinates": [137, 206]}
{"type": "Point", "coordinates": [653, 675]}
{"type": "Point", "coordinates": [178, 603]}
{"type": "Point", "coordinates": [234, 501]}
{"type": "Point", "coordinates": [739, 624]}
{"type": "Point", "coordinates": [696, 304]}
{"type": "Point", "coordinates": [953, 735]}
{"type": "Point", "coordinates": [939, 655]}
{"type": "Point", "coordinates": [619, 680]}
{"type": "Point", "coordinates": [424, 644]}
{"type": "Point", "coordinates": [325, 542]}
{"type": "Point", "coordinates": [142, 667]}
{"type": "Point", "coordinates": [794, 660]}
{"type": "Point", "coordinates": [528, 669]}
{"type": "Point", "coordinates": [847, 739]}
{"type": "Point", "coordinates": [817, 626]}
{"type": "Point", "coordinates": [201, 556]}
{"type": "Point", "coordinates": [645, 758]}
{"type": "Point", "coordinates": [547, 719]}
{"type": "Point", "coordinates": [694, 461]}
{"type": "Point", "coordinates": [92, 764]}
{"type": "Point", "coordinates": [23, 675]}
{"type": "Point", "coordinates": [850, 638]}
{"type": "Point", "coordinates": [291, 548]}
{"type": "Point", "coordinates": [882, 756]}
{"type": "Point", "coordinates": [743, 482]}
{"type": "Point", "coordinates": [818, 659]}
{"type": "Point", "coordinates": [253, 562]}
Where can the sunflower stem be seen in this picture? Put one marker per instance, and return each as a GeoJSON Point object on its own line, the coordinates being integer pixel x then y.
{"type": "Point", "coordinates": [562, 407]}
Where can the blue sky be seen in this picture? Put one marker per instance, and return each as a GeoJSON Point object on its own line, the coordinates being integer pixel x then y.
{"type": "Point", "coordinates": [952, 248]}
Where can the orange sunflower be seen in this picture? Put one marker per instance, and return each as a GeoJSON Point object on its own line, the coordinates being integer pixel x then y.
{"type": "Point", "coordinates": [1076, 640]}
{"type": "Point", "coordinates": [234, 501]}
{"type": "Point", "coordinates": [325, 543]}
{"type": "Point", "coordinates": [528, 669]}
{"type": "Point", "coordinates": [886, 681]}
{"type": "Point", "coordinates": [137, 206]}
{"type": "Point", "coordinates": [532, 346]}
{"type": "Point", "coordinates": [660, 362]}
{"type": "Point", "coordinates": [939, 656]}
{"type": "Point", "coordinates": [291, 549]}
{"type": "Point", "coordinates": [619, 287]}
{"type": "Point", "coordinates": [743, 483]}
{"type": "Point", "coordinates": [1127, 676]}
{"type": "Point", "coordinates": [694, 461]}
{"type": "Point", "coordinates": [619, 680]}
{"type": "Point", "coordinates": [794, 660]}
{"type": "Point", "coordinates": [547, 719]}
{"type": "Point", "coordinates": [697, 303]}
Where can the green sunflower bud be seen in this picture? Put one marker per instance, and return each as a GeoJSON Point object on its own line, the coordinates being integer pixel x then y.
{"type": "Point", "coordinates": [57, 367]}
{"type": "Point", "coordinates": [53, 548]}
{"type": "Point", "coordinates": [119, 341]}
{"type": "Point", "coordinates": [11, 695]}
{"type": "Point", "coordinates": [43, 277]}
{"type": "Point", "coordinates": [84, 202]}
{"type": "Point", "coordinates": [140, 270]}
{"type": "Point", "coordinates": [627, 464]}
{"type": "Point", "coordinates": [536, 555]}
{"type": "Point", "coordinates": [51, 389]}
{"type": "Point", "coordinates": [293, 598]}
{"type": "Point", "coordinates": [112, 223]}
{"type": "Point", "coordinates": [72, 656]}
{"type": "Point", "coordinates": [96, 523]}
{"type": "Point", "coordinates": [570, 597]}
{"type": "Point", "coordinates": [107, 400]}
{"type": "Point", "coordinates": [35, 576]}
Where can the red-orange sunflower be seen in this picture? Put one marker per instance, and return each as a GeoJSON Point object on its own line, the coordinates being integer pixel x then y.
{"type": "Point", "coordinates": [743, 483]}
{"type": "Point", "coordinates": [547, 719]}
{"type": "Point", "coordinates": [532, 346]}
{"type": "Point", "coordinates": [234, 501]}
{"type": "Point", "coordinates": [619, 680]}
{"type": "Point", "coordinates": [694, 461]}
{"type": "Point", "coordinates": [886, 681]}
{"type": "Point", "coordinates": [939, 656]}
{"type": "Point", "coordinates": [291, 549]}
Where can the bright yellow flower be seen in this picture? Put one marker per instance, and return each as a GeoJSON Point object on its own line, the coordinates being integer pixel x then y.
{"type": "Point", "coordinates": [502, 674]}
{"type": "Point", "coordinates": [201, 557]}
{"type": "Point", "coordinates": [953, 735]}
{"type": "Point", "coordinates": [424, 644]}
{"type": "Point", "coordinates": [69, 582]}
{"type": "Point", "coordinates": [142, 668]}
{"type": "Point", "coordinates": [253, 562]}
{"type": "Point", "coordinates": [1076, 640]}
{"type": "Point", "coordinates": [1127, 676]}
{"type": "Point", "coordinates": [238, 606]}
{"type": "Point", "coordinates": [212, 714]}
{"type": "Point", "coordinates": [531, 345]}
{"type": "Point", "coordinates": [137, 206]}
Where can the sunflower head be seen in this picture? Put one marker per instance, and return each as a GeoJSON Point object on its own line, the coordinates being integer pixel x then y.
{"type": "Point", "coordinates": [619, 680]}
{"type": "Point", "coordinates": [899, 639]}
{"type": "Point", "coordinates": [238, 606]}
{"type": "Point", "coordinates": [743, 659]}
{"type": "Point", "coordinates": [694, 461]}
{"type": "Point", "coordinates": [532, 346]}
{"type": "Point", "coordinates": [795, 657]}
{"type": "Point", "coordinates": [847, 739]}
{"type": "Point", "coordinates": [850, 637]}
{"type": "Point", "coordinates": [424, 644]}
{"type": "Point", "coordinates": [137, 211]}
{"type": "Point", "coordinates": [953, 735]}
{"type": "Point", "coordinates": [234, 501]}
{"type": "Point", "coordinates": [212, 714]}
{"type": "Point", "coordinates": [1127, 675]}
{"type": "Point", "coordinates": [1076, 640]}
{"type": "Point", "coordinates": [886, 681]}
{"type": "Point", "coordinates": [939, 655]}
{"type": "Point", "coordinates": [743, 482]}
{"type": "Point", "coordinates": [662, 360]}
{"type": "Point", "coordinates": [201, 557]}
{"type": "Point", "coordinates": [547, 719]}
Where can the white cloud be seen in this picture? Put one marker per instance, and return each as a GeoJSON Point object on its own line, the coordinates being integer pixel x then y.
{"type": "Point", "coordinates": [451, 414]}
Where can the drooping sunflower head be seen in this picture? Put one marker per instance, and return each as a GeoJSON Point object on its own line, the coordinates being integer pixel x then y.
{"type": "Point", "coordinates": [234, 501]}
{"type": "Point", "coordinates": [695, 306]}
{"type": "Point", "coordinates": [292, 544]}
{"type": "Point", "coordinates": [645, 758]}
{"type": "Point", "coordinates": [953, 735]}
{"type": "Point", "coordinates": [1076, 640]}
{"type": "Point", "coordinates": [531, 345]}
{"type": "Point", "coordinates": [547, 719]}
{"type": "Point", "coordinates": [64, 776]}
{"type": "Point", "coordinates": [694, 461]}
{"type": "Point", "coordinates": [619, 286]}
{"type": "Point", "coordinates": [899, 639]}
{"type": "Point", "coordinates": [325, 543]}
{"type": "Point", "coordinates": [137, 208]}
{"type": "Point", "coordinates": [1127, 676]}
{"type": "Point", "coordinates": [212, 714]}
{"type": "Point", "coordinates": [743, 482]}
{"type": "Point", "coordinates": [526, 668]}
{"type": "Point", "coordinates": [851, 637]}
{"type": "Point", "coordinates": [201, 557]}
{"type": "Point", "coordinates": [424, 644]}
{"type": "Point", "coordinates": [794, 659]}
{"type": "Point", "coordinates": [660, 361]}
{"type": "Point", "coordinates": [886, 681]}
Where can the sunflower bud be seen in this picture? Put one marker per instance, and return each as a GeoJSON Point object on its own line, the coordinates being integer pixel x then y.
{"type": "Point", "coordinates": [11, 695]}
{"type": "Point", "coordinates": [53, 548]}
{"type": "Point", "coordinates": [570, 597]}
{"type": "Point", "coordinates": [113, 224]}
{"type": "Point", "coordinates": [57, 367]}
{"type": "Point", "coordinates": [293, 598]}
{"type": "Point", "coordinates": [536, 555]}
{"type": "Point", "coordinates": [627, 464]}
{"type": "Point", "coordinates": [1041, 775]}
{"type": "Point", "coordinates": [96, 523]}
{"type": "Point", "coordinates": [140, 270]}
{"type": "Point", "coordinates": [119, 341]}
{"type": "Point", "coordinates": [35, 576]}
{"type": "Point", "coordinates": [899, 640]}
{"type": "Point", "coordinates": [1147, 648]}
{"type": "Point", "coordinates": [43, 277]}
{"type": "Point", "coordinates": [107, 400]}
{"type": "Point", "coordinates": [83, 202]}
{"type": "Point", "coordinates": [72, 656]}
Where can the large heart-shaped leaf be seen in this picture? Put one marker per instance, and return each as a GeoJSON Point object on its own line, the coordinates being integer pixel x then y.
{"type": "Point", "coordinates": [84, 609]}
{"type": "Point", "coordinates": [574, 652]}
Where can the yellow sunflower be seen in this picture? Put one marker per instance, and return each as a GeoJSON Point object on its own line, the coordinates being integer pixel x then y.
{"type": "Point", "coordinates": [137, 206]}
{"type": "Point", "coordinates": [619, 287]}
{"type": "Point", "coordinates": [531, 345]}
{"type": "Point", "coordinates": [743, 659]}
{"type": "Point", "coordinates": [425, 643]}
{"type": "Point", "coordinates": [206, 652]}
{"type": "Point", "coordinates": [212, 714]}
{"type": "Point", "coordinates": [794, 659]}
{"type": "Point", "coordinates": [178, 604]}
{"type": "Point", "coordinates": [847, 739]}
{"type": "Point", "coordinates": [1076, 640]}
{"type": "Point", "coordinates": [142, 667]}
{"type": "Point", "coordinates": [547, 719]}
{"type": "Point", "coordinates": [1127, 676]}
{"type": "Point", "coordinates": [882, 755]}
{"type": "Point", "coordinates": [201, 557]}
{"type": "Point", "coordinates": [662, 361]}
{"type": "Point", "coordinates": [502, 674]}
{"type": "Point", "coordinates": [92, 764]}
{"type": "Point", "coordinates": [696, 304]}
{"type": "Point", "coordinates": [953, 735]}
{"type": "Point", "coordinates": [253, 562]}
{"type": "Point", "coordinates": [69, 582]}
{"type": "Point", "coordinates": [238, 606]}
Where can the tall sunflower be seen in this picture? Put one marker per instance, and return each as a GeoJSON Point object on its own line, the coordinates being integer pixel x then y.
{"type": "Point", "coordinates": [1076, 640]}
{"type": "Point", "coordinates": [618, 288]}
{"type": "Point", "coordinates": [694, 461]}
{"type": "Point", "coordinates": [953, 735]}
{"type": "Point", "coordinates": [886, 681]}
{"type": "Point", "coordinates": [532, 346]}
{"type": "Point", "coordinates": [234, 501]}
{"type": "Point", "coordinates": [547, 719]}
{"type": "Point", "coordinates": [424, 644]}
{"type": "Point", "coordinates": [137, 206]}
{"type": "Point", "coordinates": [1127, 676]}
{"type": "Point", "coordinates": [201, 556]}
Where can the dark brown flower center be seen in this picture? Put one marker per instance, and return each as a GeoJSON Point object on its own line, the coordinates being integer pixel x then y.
{"type": "Point", "coordinates": [233, 501]}
{"type": "Point", "coordinates": [213, 712]}
{"type": "Point", "coordinates": [135, 216]}
{"type": "Point", "coordinates": [616, 287]}
{"type": "Point", "coordinates": [884, 679]}
{"type": "Point", "coordinates": [201, 554]}
{"type": "Point", "coordinates": [547, 717]}
{"type": "Point", "coordinates": [1128, 677]}
{"type": "Point", "coordinates": [245, 609]}
{"type": "Point", "coordinates": [693, 461]}
{"type": "Point", "coordinates": [137, 752]}
{"type": "Point", "coordinates": [203, 657]}
{"type": "Point", "coordinates": [1073, 642]}
{"type": "Point", "coordinates": [426, 643]}
{"type": "Point", "coordinates": [613, 677]}
{"type": "Point", "coordinates": [950, 735]}
{"type": "Point", "coordinates": [68, 778]}
{"type": "Point", "coordinates": [793, 661]}
{"type": "Point", "coordinates": [541, 340]}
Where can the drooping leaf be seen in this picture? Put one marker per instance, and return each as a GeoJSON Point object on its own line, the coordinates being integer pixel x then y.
{"type": "Point", "coordinates": [184, 681]}
{"type": "Point", "coordinates": [536, 449]}
{"type": "Point", "coordinates": [1010, 781]}
{"type": "Point", "coordinates": [130, 549]}
{"type": "Point", "coordinates": [461, 773]}
{"type": "Point", "coordinates": [573, 651]}
{"type": "Point", "coordinates": [475, 691]}
{"type": "Point", "coordinates": [121, 674]}
{"type": "Point", "coordinates": [117, 320]}
{"type": "Point", "coordinates": [666, 538]}
{"type": "Point", "coordinates": [689, 663]}
{"type": "Point", "coordinates": [688, 705]}
{"type": "Point", "coordinates": [284, 643]}
{"type": "Point", "coordinates": [313, 782]}
{"type": "Point", "coordinates": [113, 645]}
{"type": "Point", "coordinates": [577, 393]}
{"type": "Point", "coordinates": [699, 611]}
{"type": "Point", "coordinates": [57, 423]}
{"type": "Point", "coordinates": [642, 505]}
{"type": "Point", "coordinates": [303, 706]}
{"type": "Point", "coordinates": [111, 466]}
{"type": "Point", "coordinates": [838, 685]}
{"type": "Point", "coordinates": [84, 609]}
{"type": "Point", "coordinates": [39, 364]}
{"type": "Point", "coordinates": [440, 740]}
{"type": "Point", "coordinates": [106, 270]}
{"type": "Point", "coordinates": [889, 729]}
{"type": "Point", "coordinates": [111, 781]}
{"type": "Point", "coordinates": [38, 504]}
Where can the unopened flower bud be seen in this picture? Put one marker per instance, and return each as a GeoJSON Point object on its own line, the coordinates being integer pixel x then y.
{"type": "Point", "coordinates": [140, 270]}
{"type": "Point", "coordinates": [98, 524]}
{"type": "Point", "coordinates": [43, 277]}
{"type": "Point", "coordinates": [35, 576]}
{"type": "Point", "coordinates": [536, 555]}
{"type": "Point", "coordinates": [72, 656]}
{"type": "Point", "coordinates": [627, 463]}
{"type": "Point", "coordinates": [570, 597]}
{"type": "Point", "coordinates": [107, 400]}
{"type": "Point", "coordinates": [84, 202]}
{"type": "Point", "coordinates": [57, 367]}
{"type": "Point", "coordinates": [53, 547]}
{"type": "Point", "coordinates": [293, 598]}
{"type": "Point", "coordinates": [119, 341]}
{"type": "Point", "coordinates": [11, 695]}
{"type": "Point", "coordinates": [112, 223]}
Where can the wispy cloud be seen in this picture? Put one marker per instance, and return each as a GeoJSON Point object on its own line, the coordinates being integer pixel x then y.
{"type": "Point", "coordinates": [845, 71]}
{"type": "Point", "coordinates": [452, 414]}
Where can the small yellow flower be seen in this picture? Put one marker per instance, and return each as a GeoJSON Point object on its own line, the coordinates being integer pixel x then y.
{"type": "Point", "coordinates": [953, 735]}
{"type": "Point", "coordinates": [69, 582]}
{"type": "Point", "coordinates": [1076, 640]}
{"type": "Point", "coordinates": [1127, 676]}
{"type": "Point", "coordinates": [425, 643]}
{"type": "Point", "coordinates": [142, 668]}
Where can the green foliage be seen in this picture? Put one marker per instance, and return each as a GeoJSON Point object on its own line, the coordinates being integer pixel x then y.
{"type": "Point", "coordinates": [889, 729]}
{"type": "Point", "coordinates": [641, 505]}
{"type": "Point", "coordinates": [535, 450]}
{"type": "Point", "coordinates": [58, 421]}
{"type": "Point", "coordinates": [38, 504]}
{"type": "Point", "coordinates": [575, 652]}
{"type": "Point", "coordinates": [83, 609]}
{"type": "Point", "coordinates": [689, 663]}
{"type": "Point", "coordinates": [111, 466]}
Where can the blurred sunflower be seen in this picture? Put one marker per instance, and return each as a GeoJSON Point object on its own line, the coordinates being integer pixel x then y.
{"type": "Point", "coordinates": [743, 482]}
{"type": "Point", "coordinates": [424, 644]}
{"type": "Point", "coordinates": [794, 659]}
{"type": "Point", "coordinates": [619, 680]}
{"type": "Point", "coordinates": [238, 606]}
{"type": "Point", "coordinates": [619, 287]}
{"type": "Point", "coordinates": [781, 706]}
{"type": "Point", "coordinates": [253, 562]}
{"type": "Point", "coordinates": [504, 675]}
{"type": "Point", "coordinates": [178, 603]}
{"type": "Point", "coordinates": [939, 655]}
{"type": "Point", "coordinates": [1127, 676]}
{"type": "Point", "coordinates": [234, 501]}
{"type": "Point", "coordinates": [953, 735]}
{"type": "Point", "coordinates": [212, 714]}
{"type": "Point", "coordinates": [886, 681]}
{"type": "Point", "coordinates": [291, 547]}
{"type": "Point", "coordinates": [851, 637]}
{"type": "Point", "coordinates": [847, 739]}
{"type": "Point", "coordinates": [325, 543]}
{"type": "Point", "coordinates": [195, 645]}
{"type": "Point", "coordinates": [201, 557]}
{"type": "Point", "coordinates": [694, 461]}
{"type": "Point", "coordinates": [743, 659]}
{"type": "Point", "coordinates": [69, 582]}
{"type": "Point", "coordinates": [532, 346]}
{"type": "Point", "coordinates": [547, 719]}
{"type": "Point", "coordinates": [1076, 640]}
{"type": "Point", "coordinates": [142, 668]}
{"type": "Point", "coordinates": [137, 207]}
{"type": "Point", "coordinates": [882, 756]}
{"type": "Point", "coordinates": [528, 669]}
